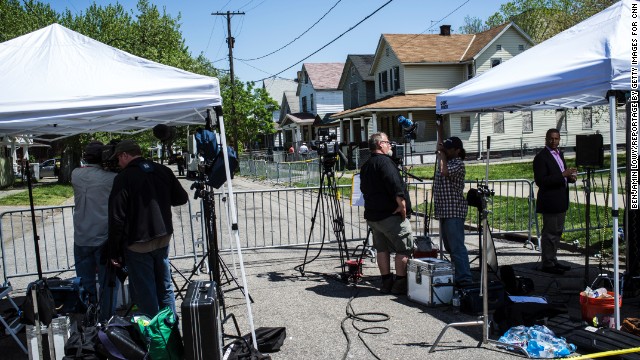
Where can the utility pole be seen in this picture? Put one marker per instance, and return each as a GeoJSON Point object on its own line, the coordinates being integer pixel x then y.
{"type": "Point", "coordinates": [230, 42]}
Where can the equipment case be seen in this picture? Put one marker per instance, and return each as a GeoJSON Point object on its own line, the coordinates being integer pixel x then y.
{"type": "Point", "coordinates": [201, 324]}
{"type": "Point", "coordinates": [430, 281]}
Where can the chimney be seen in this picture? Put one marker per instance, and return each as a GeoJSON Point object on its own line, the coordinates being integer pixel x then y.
{"type": "Point", "coordinates": [445, 30]}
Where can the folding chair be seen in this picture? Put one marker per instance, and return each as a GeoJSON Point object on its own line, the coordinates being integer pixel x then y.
{"type": "Point", "coordinates": [13, 325]}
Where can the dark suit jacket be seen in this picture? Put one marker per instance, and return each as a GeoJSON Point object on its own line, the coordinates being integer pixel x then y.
{"type": "Point", "coordinates": [553, 194]}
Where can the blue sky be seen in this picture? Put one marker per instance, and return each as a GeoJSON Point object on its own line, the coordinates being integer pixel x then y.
{"type": "Point", "coordinates": [268, 25]}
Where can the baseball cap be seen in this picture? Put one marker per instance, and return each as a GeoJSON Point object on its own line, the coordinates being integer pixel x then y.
{"type": "Point", "coordinates": [127, 146]}
{"type": "Point", "coordinates": [452, 143]}
{"type": "Point", "coordinates": [93, 151]}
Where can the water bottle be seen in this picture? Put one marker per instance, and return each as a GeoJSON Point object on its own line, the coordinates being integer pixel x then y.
{"type": "Point", "coordinates": [455, 301]}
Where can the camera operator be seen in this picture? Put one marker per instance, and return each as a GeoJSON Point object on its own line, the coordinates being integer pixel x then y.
{"type": "Point", "coordinates": [386, 208]}
{"type": "Point", "coordinates": [140, 225]}
{"type": "Point", "coordinates": [91, 188]}
{"type": "Point", "coordinates": [450, 204]}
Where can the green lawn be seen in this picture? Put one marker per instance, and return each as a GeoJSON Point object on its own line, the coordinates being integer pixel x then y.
{"type": "Point", "coordinates": [43, 195]}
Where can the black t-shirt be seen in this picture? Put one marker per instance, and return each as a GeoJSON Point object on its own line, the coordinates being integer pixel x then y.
{"type": "Point", "coordinates": [381, 183]}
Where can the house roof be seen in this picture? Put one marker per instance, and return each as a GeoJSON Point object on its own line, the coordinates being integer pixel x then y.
{"type": "Point", "coordinates": [324, 76]}
{"type": "Point", "coordinates": [436, 48]}
{"type": "Point", "coordinates": [398, 102]}
{"type": "Point", "coordinates": [275, 86]}
{"type": "Point", "coordinates": [292, 101]}
{"type": "Point", "coordinates": [300, 118]}
{"type": "Point", "coordinates": [362, 64]}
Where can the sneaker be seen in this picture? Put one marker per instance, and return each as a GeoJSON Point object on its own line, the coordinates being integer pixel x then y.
{"type": "Point", "coordinates": [386, 286]}
{"type": "Point", "coordinates": [399, 287]}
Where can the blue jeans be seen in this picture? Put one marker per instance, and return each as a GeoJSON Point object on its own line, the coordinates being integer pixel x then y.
{"type": "Point", "coordinates": [150, 276]}
{"type": "Point", "coordinates": [452, 230]}
{"type": "Point", "coordinates": [87, 260]}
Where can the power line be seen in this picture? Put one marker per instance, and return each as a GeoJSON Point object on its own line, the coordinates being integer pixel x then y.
{"type": "Point", "coordinates": [332, 41]}
{"type": "Point", "coordinates": [298, 37]}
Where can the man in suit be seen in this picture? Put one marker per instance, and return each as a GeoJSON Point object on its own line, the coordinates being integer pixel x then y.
{"type": "Point", "coordinates": [552, 178]}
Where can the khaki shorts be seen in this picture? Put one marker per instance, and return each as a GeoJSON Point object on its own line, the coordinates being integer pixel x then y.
{"type": "Point", "coordinates": [392, 235]}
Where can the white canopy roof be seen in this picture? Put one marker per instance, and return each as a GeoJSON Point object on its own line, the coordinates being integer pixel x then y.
{"type": "Point", "coordinates": [573, 69]}
{"type": "Point", "coordinates": [57, 81]}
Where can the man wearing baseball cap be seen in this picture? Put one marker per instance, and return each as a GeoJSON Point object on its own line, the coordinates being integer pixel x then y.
{"type": "Point", "coordinates": [450, 204]}
{"type": "Point", "coordinates": [140, 225]}
{"type": "Point", "coordinates": [91, 188]}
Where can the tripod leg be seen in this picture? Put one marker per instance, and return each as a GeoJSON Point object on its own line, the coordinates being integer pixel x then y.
{"type": "Point", "coordinates": [313, 223]}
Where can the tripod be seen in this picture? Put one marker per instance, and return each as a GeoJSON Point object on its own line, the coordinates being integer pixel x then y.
{"type": "Point", "coordinates": [328, 190]}
{"type": "Point", "coordinates": [212, 255]}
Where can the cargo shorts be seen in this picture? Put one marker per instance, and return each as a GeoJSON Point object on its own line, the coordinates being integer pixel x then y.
{"type": "Point", "coordinates": [392, 235]}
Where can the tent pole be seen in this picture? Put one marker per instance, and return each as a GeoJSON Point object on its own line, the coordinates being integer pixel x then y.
{"type": "Point", "coordinates": [614, 207]}
{"type": "Point", "coordinates": [234, 222]}
{"type": "Point", "coordinates": [36, 238]}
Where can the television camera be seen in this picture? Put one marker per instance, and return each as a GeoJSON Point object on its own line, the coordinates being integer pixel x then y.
{"type": "Point", "coordinates": [327, 146]}
{"type": "Point", "coordinates": [107, 151]}
{"type": "Point", "coordinates": [476, 196]}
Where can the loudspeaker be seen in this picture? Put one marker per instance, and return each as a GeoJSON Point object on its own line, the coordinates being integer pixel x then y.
{"type": "Point", "coordinates": [589, 151]}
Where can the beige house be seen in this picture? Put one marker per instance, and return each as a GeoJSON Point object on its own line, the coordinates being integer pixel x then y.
{"type": "Point", "coordinates": [411, 69]}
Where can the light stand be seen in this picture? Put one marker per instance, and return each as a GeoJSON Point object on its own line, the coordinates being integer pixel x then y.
{"type": "Point", "coordinates": [483, 320]}
{"type": "Point", "coordinates": [36, 238]}
{"type": "Point", "coordinates": [587, 221]}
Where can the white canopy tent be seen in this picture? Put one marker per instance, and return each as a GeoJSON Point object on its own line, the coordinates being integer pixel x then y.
{"type": "Point", "coordinates": [57, 81]}
{"type": "Point", "coordinates": [574, 69]}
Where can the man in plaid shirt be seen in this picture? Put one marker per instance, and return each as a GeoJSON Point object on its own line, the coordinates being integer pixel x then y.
{"type": "Point", "coordinates": [450, 204]}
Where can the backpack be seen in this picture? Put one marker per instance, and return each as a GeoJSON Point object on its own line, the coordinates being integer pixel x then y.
{"type": "Point", "coordinates": [121, 340]}
{"type": "Point", "coordinates": [46, 304]}
{"type": "Point", "coordinates": [161, 334]}
{"type": "Point", "coordinates": [216, 174]}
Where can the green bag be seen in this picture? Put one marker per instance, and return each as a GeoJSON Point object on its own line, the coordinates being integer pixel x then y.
{"type": "Point", "coordinates": [162, 335]}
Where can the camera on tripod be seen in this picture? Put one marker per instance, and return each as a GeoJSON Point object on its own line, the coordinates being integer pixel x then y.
{"type": "Point", "coordinates": [108, 150]}
{"type": "Point", "coordinates": [327, 145]}
{"type": "Point", "coordinates": [396, 150]}
{"type": "Point", "coordinates": [475, 196]}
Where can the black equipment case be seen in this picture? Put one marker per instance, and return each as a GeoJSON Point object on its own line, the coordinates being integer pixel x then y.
{"type": "Point", "coordinates": [201, 324]}
{"type": "Point", "coordinates": [471, 302]}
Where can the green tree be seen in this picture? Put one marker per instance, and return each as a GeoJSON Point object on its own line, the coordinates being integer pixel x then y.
{"type": "Point", "coordinates": [16, 20]}
{"type": "Point", "coordinates": [542, 19]}
{"type": "Point", "coordinates": [472, 25]}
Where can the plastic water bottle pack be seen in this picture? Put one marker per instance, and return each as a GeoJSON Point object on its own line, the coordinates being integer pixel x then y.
{"type": "Point", "coordinates": [539, 341]}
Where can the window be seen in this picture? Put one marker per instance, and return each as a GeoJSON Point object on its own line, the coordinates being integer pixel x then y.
{"type": "Point", "coordinates": [306, 77]}
{"type": "Point", "coordinates": [495, 62]}
{"type": "Point", "coordinates": [498, 47]}
{"type": "Point", "coordinates": [354, 94]}
{"type": "Point", "coordinates": [353, 71]}
{"type": "Point", "coordinates": [587, 119]}
{"type": "Point", "coordinates": [498, 123]}
{"type": "Point", "coordinates": [465, 123]}
{"type": "Point", "coordinates": [396, 78]}
{"type": "Point", "coordinates": [521, 47]}
{"type": "Point", "coordinates": [469, 71]}
{"type": "Point", "coordinates": [385, 82]}
{"type": "Point", "coordinates": [386, 51]}
{"type": "Point", "coordinates": [380, 83]}
{"type": "Point", "coordinates": [311, 99]}
{"type": "Point", "coordinates": [304, 104]}
{"type": "Point", "coordinates": [527, 121]}
{"type": "Point", "coordinates": [561, 120]}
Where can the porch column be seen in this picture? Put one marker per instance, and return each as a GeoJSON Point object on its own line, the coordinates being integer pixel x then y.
{"type": "Point", "coordinates": [351, 137]}
{"type": "Point", "coordinates": [14, 155]}
{"type": "Point", "coordinates": [374, 123]}
{"type": "Point", "coordinates": [363, 132]}
{"type": "Point", "coordinates": [340, 137]}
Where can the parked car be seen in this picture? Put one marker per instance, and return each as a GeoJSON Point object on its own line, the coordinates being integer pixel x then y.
{"type": "Point", "coordinates": [50, 168]}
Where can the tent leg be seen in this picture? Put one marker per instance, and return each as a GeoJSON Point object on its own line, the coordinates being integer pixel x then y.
{"type": "Point", "coordinates": [614, 206]}
{"type": "Point", "coordinates": [234, 221]}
